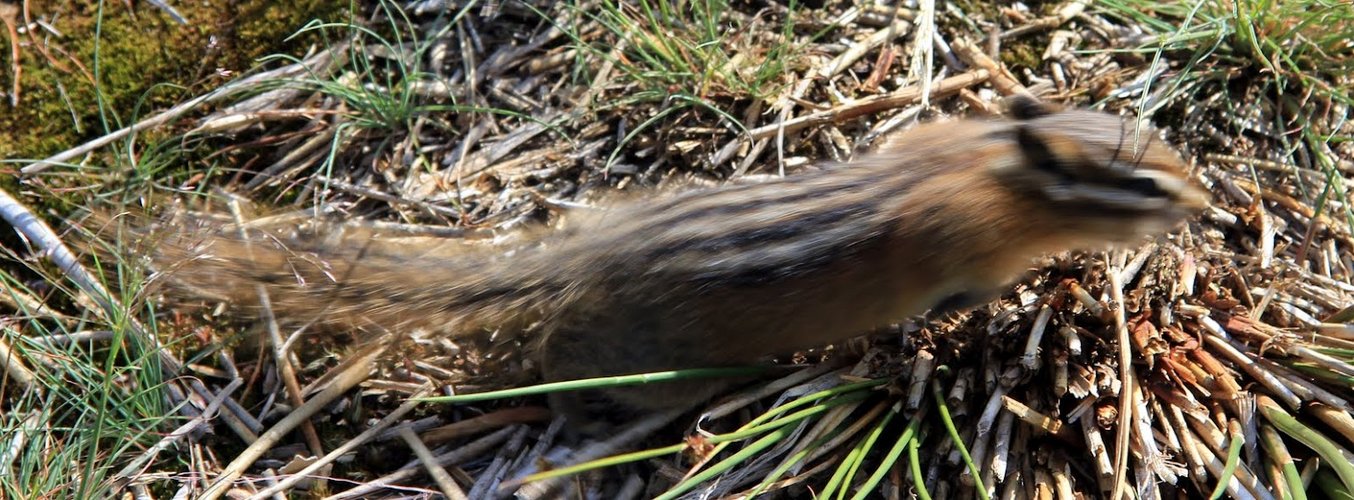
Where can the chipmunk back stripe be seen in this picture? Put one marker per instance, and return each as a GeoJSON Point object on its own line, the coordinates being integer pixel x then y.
{"type": "Point", "coordinates": [768, 241]}
{"type": "Point", "coordinates": [776, 194]}
{"type": "Point", "coordinates": [797, 235]}
{"type": "Point", "coordinates": [786, 264]}
{"type": "Point", "coordinates": [492, 295]}
{"type": "Point", "coordinates": [773, 218]}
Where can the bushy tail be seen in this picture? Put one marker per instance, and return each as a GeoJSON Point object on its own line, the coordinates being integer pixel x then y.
{"type": "Point", "coordinates": [344, 274]}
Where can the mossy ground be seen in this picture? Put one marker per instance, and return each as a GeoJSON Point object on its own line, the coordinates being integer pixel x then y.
{"type": "Point", "coordinates": [111, 65]}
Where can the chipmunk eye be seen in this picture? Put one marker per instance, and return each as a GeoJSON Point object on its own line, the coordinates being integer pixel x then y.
{"type": "Point", "coordinates": [1146, 187]}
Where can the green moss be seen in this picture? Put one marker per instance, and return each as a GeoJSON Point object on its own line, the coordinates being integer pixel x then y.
{"type": "Point", "coordinates": [143, 61]}
{"type": "Point", "coordinates": [1021, 55]}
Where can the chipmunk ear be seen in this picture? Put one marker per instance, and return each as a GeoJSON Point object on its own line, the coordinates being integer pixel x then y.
{"type": "Point", "coordinates": [1023, 106]}
{"type": "Point", "coordinates": [1038, 153]}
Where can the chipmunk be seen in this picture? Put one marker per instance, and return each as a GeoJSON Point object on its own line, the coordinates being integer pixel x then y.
{"type": "Point", "coordinates": [940, 217]}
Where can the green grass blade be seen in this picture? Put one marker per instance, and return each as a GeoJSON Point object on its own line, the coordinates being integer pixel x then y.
{"type": "Point", "coordinates": [1334, 456]}
{"type": "Point", "coordinates": [599, 383]}
{"type": "Point", "coordinates": [958, 441]}
{"type": "Point", "coordinates": [1278, 453]}
{"type": "Point", "coordinates": [741, 456]}
{"type": "Point", "coordinates": [907, 439]}
{"type": "Point", "coordinates": [918, 479]}
{"type": "Point", "coordinates": [835, 487]}
{"type": "Point", "coordinates": [1229, 467]}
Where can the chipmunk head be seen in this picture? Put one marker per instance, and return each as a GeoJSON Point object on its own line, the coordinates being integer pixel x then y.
{"type": "Point", "coordinates": [1102, 176]}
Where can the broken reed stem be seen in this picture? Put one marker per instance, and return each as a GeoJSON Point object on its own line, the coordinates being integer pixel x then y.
{"type": "Point", "coordinates": [14, 366]}
{"type": "Point", "coordinates": [1039, 420]}
{"type": "Point", "coordinates": [439, 475]}
{"type": "Point", "coordinates": [407, 406]}
{"type": "Point", "coordinates": [460, 454]}
{"type": "Point", "coordinates": [135, 466]}
{"type": "Point", "coordinates": [871, 105]}
{"type": "Point", "coordinates": [1122, 432]}
{"type": "Point", "coordinates": [1005, 82]}
{"type": "Point", "coordinates": [354, 374]}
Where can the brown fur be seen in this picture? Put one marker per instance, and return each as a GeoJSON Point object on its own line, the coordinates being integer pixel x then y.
{"type": "Point", "coordinates": [731, 275]}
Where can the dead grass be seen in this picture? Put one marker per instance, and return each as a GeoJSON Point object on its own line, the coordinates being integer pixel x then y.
{"type": "Point", "coordinates": [1237, 329]}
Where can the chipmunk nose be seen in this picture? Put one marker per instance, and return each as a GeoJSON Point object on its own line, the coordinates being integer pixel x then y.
{"type": "Point", "coordinates": [1194, 197]}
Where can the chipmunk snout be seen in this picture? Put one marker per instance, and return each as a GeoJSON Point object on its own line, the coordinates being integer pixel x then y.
{"type": "Point", "coordinates": [1103, 176]}
{"type": "Point", "coordinates": [1085, 167]}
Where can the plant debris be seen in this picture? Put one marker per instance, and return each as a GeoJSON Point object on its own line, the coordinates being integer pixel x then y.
{"type": "Point", "coordinates": [1220, 358]}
